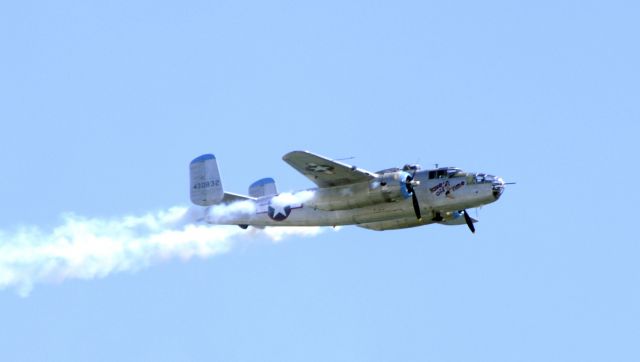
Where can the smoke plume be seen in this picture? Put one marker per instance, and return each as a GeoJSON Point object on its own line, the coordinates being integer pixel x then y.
{"type": "Point", "coordinates": [89, 248]}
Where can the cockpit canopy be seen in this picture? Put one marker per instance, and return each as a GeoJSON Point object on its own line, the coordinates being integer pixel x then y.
{"type": "Point", "coordinates": [411, 167]}
{"type": "Point", "coordinates": [485, 178]}
{"type": "Point", "coordinates": [406, 168]}
{"type": "Point", "coordinates": [446, 172]}
{"type": "Point", "coordinates": [472, 178]}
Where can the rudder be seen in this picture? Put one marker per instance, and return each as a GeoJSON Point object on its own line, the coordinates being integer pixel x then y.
{"type": "Point", "coordinates": [206, 185]}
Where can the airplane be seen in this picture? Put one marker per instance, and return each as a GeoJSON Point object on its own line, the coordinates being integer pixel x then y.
{"type": "Point", "coordinates": [393, 198]}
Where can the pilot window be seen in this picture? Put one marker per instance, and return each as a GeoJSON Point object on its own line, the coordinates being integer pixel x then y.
{"type": "Point", "coordinates": [438, 174]}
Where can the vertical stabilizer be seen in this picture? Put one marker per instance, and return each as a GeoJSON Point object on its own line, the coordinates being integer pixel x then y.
{"type": "Point", "coordinates": [264, 187]}
{"type": "Point", "coordinates": [206, 185]}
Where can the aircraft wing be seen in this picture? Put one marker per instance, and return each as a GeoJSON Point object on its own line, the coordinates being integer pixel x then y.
{"type": "Point", "coordinates": [325, 172]}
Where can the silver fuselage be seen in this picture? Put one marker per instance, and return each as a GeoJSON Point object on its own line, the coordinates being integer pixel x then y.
{"type": "Point", "coordinates": [381, 204]}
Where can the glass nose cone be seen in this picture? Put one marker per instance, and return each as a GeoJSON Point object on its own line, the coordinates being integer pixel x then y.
{"type": "Point", "coordinates": [498, 187]}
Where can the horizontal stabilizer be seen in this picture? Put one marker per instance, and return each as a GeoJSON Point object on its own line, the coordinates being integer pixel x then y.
{"type": "Point", "coordinates": [231, 198]}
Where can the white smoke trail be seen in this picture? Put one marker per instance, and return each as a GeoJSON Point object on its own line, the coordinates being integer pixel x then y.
{"type": "Point", "coordinates": [293, 198]}
{"type": "Point", "coordinates": [221, 214]}
{"type": "Point", "coordinates": [88, 248]}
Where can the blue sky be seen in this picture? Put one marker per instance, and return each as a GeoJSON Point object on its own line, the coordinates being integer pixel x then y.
{"type": "Point", "coordinates": [103, 105]}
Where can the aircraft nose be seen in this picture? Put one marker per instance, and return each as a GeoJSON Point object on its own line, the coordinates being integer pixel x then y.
{"type": "Point", "coordinates": [498, 187]}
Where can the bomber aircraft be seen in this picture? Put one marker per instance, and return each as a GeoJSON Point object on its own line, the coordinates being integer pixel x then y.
{"type": "Point", "coordinates": [393, 198]}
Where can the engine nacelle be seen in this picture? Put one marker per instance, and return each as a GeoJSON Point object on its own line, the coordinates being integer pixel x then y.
{"type": "Point", "coordinates": [394, 224]}
{"type": "Point", "coordinates": [454, 218]}
{"type": "Point", "coordinates": [388, 187]}
{"type": "Point", "coordinates": [448, 218]}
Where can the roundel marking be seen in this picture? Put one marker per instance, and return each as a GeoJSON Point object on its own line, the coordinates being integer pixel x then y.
{"type": "Point", "coordinates": [279, 213]}
{"type": "Point", "coordinates": [314, 167]}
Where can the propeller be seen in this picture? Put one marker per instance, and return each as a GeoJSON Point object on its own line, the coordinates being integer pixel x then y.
{"type": "Point", "coordinates": [469, 221]}
{"type": "Point", "coordinates": [416, 205]}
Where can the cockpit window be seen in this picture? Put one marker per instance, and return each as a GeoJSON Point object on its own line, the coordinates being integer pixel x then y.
{"type": "Point", "coordinates": [446, 173]}
{"type": "Point", "coordinates": [455, 172]}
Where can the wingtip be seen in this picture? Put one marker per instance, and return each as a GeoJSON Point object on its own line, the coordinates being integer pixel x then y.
{"type": "Point", "coordinates": [289, 154]}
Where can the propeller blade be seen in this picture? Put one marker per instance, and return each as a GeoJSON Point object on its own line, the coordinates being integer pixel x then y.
{"type": "Point", "coordinates": [467, 218]}
{"type": "Point", "coordinates": [416, 205]}
{"type": "Point", "coordinates": [414, 197]}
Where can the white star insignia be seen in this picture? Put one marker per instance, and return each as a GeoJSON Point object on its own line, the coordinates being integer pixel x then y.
{"type": "Point", "coordinates": [313, 167]}
{"type": "Point", "coordinates": [279, 210]}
